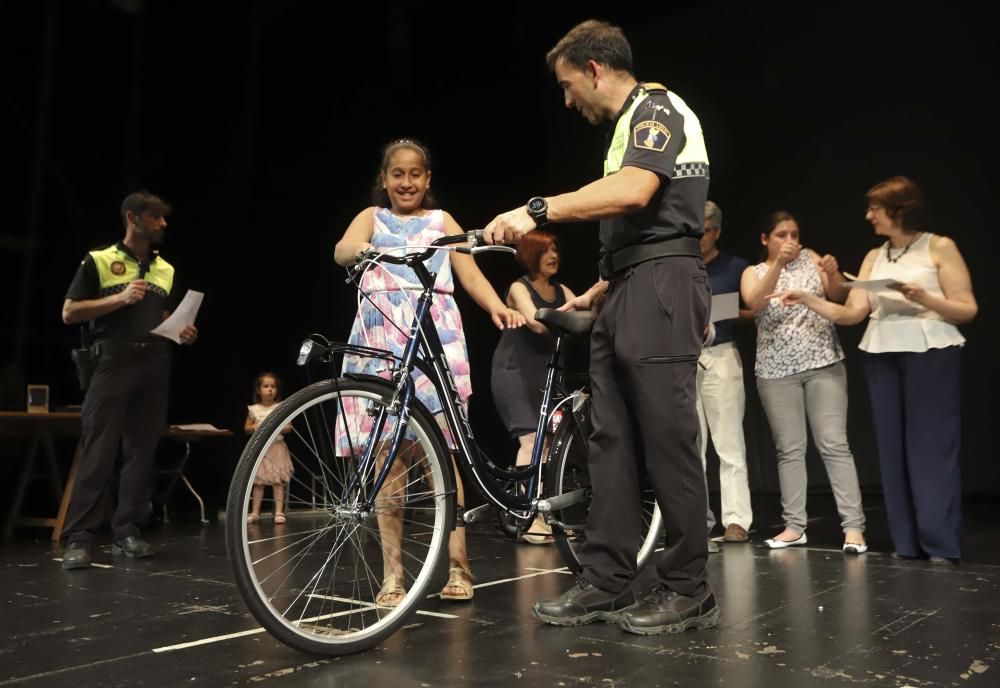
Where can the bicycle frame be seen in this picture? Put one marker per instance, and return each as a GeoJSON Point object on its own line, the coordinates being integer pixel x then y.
{"type": "Point", "coordinates": [424, 352]}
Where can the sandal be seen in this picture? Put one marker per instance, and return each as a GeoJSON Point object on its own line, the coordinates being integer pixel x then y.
{"type": "Point", "coordinates": [541, 535]}
{"type": "Point", "coordinates": [253, 518]}
{"type": "Point", "coordinates": [537, 538]}
{"type": "Point", "coordinates": [462, 580]}
{"type": "Point", "coordinates": [391, 593]}
{"type": "Point", "coordinates": [279, 519]}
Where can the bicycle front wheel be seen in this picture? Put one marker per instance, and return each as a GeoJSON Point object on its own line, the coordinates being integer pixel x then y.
{"type": "Point", "coordinates": [347, 567]}
{"type": "Point", "coordinates": [569, 472]}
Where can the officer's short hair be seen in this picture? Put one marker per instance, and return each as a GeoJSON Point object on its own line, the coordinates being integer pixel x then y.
{"type": "Point", "coordinates": [713, 215]}
{"type": "Point", "coordinates": [593, 40]}
{"type": "Point", "coordinates": [141, 201]}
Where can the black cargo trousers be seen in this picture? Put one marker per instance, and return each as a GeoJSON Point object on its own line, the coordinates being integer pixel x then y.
{"type": "Point", "coordinates": [124, 414]}
{"type": "Point", "coordinates": [643, 356]}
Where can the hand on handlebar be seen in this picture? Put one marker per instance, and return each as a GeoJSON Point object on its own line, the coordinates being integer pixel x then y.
{"type": "Point", "coordinates": [509, 227]}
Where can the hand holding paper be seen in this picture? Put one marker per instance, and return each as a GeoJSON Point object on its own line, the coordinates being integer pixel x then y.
{"type": "Point", "coordinates": [179, 327]}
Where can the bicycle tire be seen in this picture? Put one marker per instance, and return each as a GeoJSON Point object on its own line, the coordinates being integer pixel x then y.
{"type": "Point", "coordinates": [568, 470]}
{"type": "Point", "coordinates": [312, 582]}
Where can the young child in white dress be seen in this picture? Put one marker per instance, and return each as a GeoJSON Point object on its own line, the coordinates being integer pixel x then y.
{"type": "Point", "coordinates": [276, 468]}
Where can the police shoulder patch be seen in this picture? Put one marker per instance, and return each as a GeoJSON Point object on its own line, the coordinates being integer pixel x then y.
{"type": "Point", "coordinates": [118, 268]}
{"type": "Point", "coordinates": [650, 135]}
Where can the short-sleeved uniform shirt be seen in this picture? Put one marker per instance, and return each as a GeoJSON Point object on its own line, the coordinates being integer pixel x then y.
{"type": "Point", "coordinates": [109, 271]}
{"type": "Point", "coordinates": [656, 131]}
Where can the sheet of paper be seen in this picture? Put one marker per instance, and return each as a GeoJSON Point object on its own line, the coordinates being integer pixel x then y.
{"type": "Point", "coordinates": [203, 427]}
{"type": "Point", "coordinates": [725, 306]}
{"type": "Point", "coordinates": [185, 314]}
{"type": "Point", "coordinates": [871, 285]}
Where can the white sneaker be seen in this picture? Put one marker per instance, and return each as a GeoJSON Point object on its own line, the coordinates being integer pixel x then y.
{"type": "Point", "coordinates": [775, 543]}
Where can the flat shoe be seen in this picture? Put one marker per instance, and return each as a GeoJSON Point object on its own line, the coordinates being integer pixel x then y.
{"type": "Point", "coordinates": [279, 519]}
{"type": "Point", "coordinates": [252, 518]}
{"type": "Point", "coordinates": [775, 543]}
{"type": "Point", "coordinates": [855, 548]}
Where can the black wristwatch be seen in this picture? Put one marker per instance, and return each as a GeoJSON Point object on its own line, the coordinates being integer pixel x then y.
{"type": "Point", "coordinates": [538, 209]}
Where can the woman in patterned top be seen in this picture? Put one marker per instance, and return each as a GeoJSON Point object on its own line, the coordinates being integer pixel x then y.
{"type": "Point", "coordinates": [403, 215]}
{"type": "Point", "coordinates": [800, 375]}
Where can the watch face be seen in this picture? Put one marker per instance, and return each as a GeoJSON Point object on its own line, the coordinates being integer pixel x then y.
{"type": "Point", "coordinates": [536, 204]}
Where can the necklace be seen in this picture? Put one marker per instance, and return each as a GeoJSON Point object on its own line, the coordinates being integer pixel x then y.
{"type": "Point", "coordinates": [888, 254]}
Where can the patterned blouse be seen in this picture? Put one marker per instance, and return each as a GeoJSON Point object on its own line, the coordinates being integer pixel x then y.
{"type": "Point", "coordinates": [793, 339]}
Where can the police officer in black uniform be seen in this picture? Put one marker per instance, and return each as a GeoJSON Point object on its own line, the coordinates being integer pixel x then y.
{"type": "Point", "coordinates": [646, 338]}
{"type": "Point", "coordinates": [121, 292]}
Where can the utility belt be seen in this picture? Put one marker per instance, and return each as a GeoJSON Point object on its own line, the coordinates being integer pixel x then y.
{"type": "Point", "coordinates": [613, 263]}
{"type": "Point", "coordinates": [109, 347]}
{"type": "Point", "coordinates": [87, 357]}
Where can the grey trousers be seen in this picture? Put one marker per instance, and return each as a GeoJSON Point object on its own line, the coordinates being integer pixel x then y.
{"type": "Point", "coordinates": [821, 396]}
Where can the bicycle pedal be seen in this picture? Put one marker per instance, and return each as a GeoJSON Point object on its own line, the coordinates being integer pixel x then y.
{"type": "Point", "coordinates": [477, 514]}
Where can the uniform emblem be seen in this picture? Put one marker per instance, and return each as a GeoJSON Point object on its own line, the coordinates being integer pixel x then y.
{"type": "Point", "coordinates": [650, 135]}
{"type": "Point", "coordinates": [118, 268]}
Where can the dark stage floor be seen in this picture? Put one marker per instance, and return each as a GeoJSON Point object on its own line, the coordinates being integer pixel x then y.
{"type": "Point", "coordinates": [801, 617]}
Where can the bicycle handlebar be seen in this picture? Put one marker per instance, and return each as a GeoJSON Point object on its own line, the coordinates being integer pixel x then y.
{"type": "Point", "coordinates": [473, 237]}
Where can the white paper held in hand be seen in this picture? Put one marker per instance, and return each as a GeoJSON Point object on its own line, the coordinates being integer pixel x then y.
{"type": "Point", "coordinates": [725, 306]}
{"type": "Point", "coordinates": [871, 285]}
{"type": "Point", "coordinates": [185, 314]}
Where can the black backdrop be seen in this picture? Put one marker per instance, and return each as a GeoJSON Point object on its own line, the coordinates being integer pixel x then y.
{"type": "Point", "coordinates": [261, 122]}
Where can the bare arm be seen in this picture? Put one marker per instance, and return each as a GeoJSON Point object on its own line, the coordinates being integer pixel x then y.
{"type": "Point", "coordinates": [74, 312]}
{"type": "Point", "coordinates": [854, 310]}
{"type": "Point", "coordinates": [958, 305]}
{"type": "Point", "coordinates": [586, 300]}
{"type": "Point", "coordinates": [520, 299]}
{"type": "Point", "coordinates": [754, 289]}
{"type": "Point", "coordinates": [829, 275]}
{"type": "Point", "coordinates": [628, 190]}
{"type": "Point", "coordinates": [356, 238]}
{"type": "Point", "coordinates": [249, 425]}
{"type": "Point", "coordinates": [474, 281]}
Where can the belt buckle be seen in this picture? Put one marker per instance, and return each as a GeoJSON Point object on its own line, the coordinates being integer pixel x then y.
{"type": "Point", "coordinates": [604, 266]}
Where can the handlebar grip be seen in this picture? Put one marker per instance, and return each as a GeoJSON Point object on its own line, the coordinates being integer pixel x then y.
{"type": "Point", "coordinates": [475, 237]}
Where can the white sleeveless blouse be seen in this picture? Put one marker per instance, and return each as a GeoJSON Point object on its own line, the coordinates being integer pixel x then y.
{"type": "Point", "coordinates": [897, 324]}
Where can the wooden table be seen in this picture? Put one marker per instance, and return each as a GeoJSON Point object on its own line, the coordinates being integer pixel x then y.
{"type": "Point", "coordinates": [40, 429]}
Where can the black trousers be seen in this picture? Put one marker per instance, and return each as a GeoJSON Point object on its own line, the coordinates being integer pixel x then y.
{"type": "Point", "coordinates": [124, 414]}
{"type": "Point", "coordinates": [643, 369]}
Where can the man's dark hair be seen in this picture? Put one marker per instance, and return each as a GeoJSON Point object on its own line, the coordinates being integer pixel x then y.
{"type": "Point", "coordinates": [594, 40]}
{"type": "Point", "coordinates": [139, 202]}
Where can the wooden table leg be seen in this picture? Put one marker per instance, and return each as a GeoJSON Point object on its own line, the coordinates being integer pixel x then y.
{"type": "Point", "coordinates": [67, 495]}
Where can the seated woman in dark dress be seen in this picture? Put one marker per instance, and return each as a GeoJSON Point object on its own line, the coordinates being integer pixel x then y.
{"type": "Point", "coordinates": [521, 357]}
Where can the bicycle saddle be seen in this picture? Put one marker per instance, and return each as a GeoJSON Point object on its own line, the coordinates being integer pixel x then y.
{"type": "Point", "coordinates": [561, 323]}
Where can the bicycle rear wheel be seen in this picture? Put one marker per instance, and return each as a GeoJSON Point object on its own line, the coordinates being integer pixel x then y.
{"type": "Point", "coordinates": [568, 471]}
{"type": "Point", "coordinates": [313, 582]}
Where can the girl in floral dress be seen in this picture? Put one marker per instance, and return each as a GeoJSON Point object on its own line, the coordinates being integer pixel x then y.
{"type": "Point", "coordinates": [404, 215]}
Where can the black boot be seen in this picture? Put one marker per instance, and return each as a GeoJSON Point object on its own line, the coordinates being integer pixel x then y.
{"type": "Point", "coordinates": [583, 604]}
{"type": "Point", "coordinates": [664, 611]}
{"type": "Point", "coordinates": [133, 547]}
{"type": "Point", "coordinates": [76, 556]}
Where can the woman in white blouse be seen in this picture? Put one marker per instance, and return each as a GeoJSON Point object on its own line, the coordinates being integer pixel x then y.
{"type": "Point", "coordinates": [912, 364]}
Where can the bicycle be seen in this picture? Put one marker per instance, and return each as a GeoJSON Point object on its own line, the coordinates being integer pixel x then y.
{"type": "Point", "coordinates": [313, 583]}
